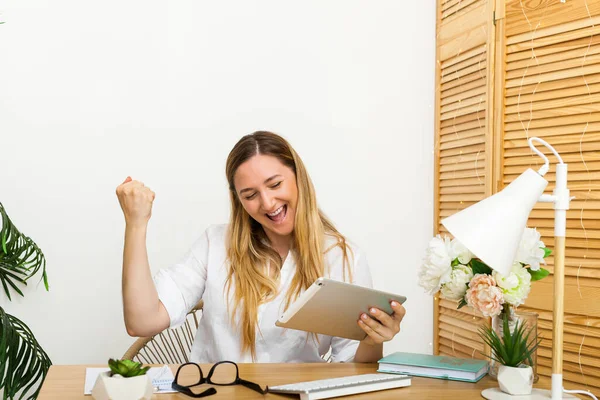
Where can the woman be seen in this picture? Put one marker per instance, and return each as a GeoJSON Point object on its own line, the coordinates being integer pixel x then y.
{"type": "Point", "coordinates": [247, 272]}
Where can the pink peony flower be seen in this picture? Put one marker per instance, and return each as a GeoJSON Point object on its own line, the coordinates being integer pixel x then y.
{"type": "Point", "coordinates": [484, 295]}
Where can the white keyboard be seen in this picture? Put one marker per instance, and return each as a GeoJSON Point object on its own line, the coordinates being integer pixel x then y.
{"type": "Point", "coordinates": [334, 387]}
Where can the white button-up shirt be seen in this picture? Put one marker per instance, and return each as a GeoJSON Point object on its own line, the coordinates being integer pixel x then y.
{"type": "Point", "coordinates": [202, 274]}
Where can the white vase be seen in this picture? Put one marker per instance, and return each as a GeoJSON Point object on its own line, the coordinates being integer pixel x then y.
{"type": "Point", "coordinates": [118, 388]}
{"type": "Point", "coordinates": [515, 381]}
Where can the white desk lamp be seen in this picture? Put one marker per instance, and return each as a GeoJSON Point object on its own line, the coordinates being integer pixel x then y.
{"type": "Point", "coordinates": [492, 229]}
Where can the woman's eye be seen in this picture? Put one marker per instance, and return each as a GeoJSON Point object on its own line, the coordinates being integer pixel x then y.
{"type": "Point", "coordinates": [276, 185]}
{"type": "Point", "coordinates": [253, 195]}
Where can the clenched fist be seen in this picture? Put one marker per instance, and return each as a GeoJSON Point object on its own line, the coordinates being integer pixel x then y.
{"type": "Point", "coordinates": [136, 202]}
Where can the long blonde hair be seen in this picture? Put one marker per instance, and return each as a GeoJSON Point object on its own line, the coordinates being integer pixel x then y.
{"type": "Point", "coordinates": [248, 248]}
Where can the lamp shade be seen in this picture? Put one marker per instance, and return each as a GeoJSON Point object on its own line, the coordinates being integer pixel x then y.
{"type": "Point", "coordinates": [492, 228]}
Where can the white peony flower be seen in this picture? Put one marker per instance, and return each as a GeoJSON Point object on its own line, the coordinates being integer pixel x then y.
{"type": "Point", "coordinates": [437, 265]}
{"type": "Point", "coordinates": [457, 287]}
{"type": "Point", "coordinates": [531, 250]}
{"type": "Point", "coordinates": [515, 286]}
{"type": "Point", "coordinates": [461, 252]}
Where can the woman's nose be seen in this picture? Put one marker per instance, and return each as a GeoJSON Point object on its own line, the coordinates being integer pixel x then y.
{"type": "Point", "coordinates": [267, 202]}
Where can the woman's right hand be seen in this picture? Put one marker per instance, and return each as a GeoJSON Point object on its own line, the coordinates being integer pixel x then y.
{"type": "Point", "coordinates": [136, 202]}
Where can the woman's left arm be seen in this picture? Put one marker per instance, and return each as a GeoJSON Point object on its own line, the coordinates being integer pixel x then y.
{"type": "Point", "coordinates": [380, 327]}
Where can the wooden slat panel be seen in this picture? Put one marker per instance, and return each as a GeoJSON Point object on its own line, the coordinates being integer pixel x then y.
{"type": "Point", "coordinates": [468, 22]}
{"type": "Point", "coordinates": [463, 349]}
{"type": "Point", "coordinates": [478, 91]}
{"type": "Point", "coordinates": [535, 68]}
{"type": "Point", "coordinates": [459, 40]}
{"type": "Point", "coordinates": [552, 76]}
{"type": "Point", "coordinates": [558, 140]}
{"type": "Point", "coordinates": [576, 299]}
{"type": "Point", "coordinates": [561, 148]}
{"type": "Point", "coordinates": [531, 161]}
{"type": "Point", "coordinates": [477, 52]}
{"type": "Point", "coordinates": [571, 101]}
{"type": "Point", "coordinates": [554, 131]}
{"type": "Point", "coordinates": [580, 90]}
{"type": "Point", "coordinates": [469, 173]}
{"type": "Point", "coordinates": [552, 90]}
{"type": "Point", "coordinates": [460, 89]}
{"type": "Point", "coordinates": [455, 352]}
{"type": "Point", "coordinates": [541, 42]}
{"type": "Point", "coordinates": [460, 10]}
{"type": "Point", "coordinates": [536, 59]}
{"type": "Point", "coordinates": [561, 47]}
{"type": "Point", "coordinates": [522, 16]}
{"type": "Point", "coordinates": [578, 83]}
{"type": "Point", "coordinates": [572, 374]}
{"type": "Point", "coordinates": [462, 139]}
{"type": "Point", "coordinates": [462, 142]}
{"type": "Point", "coordinates": [475, 70]}
{"type": "Point", "coordinates": [463, 82]}
{"type": "Point", "coordinates": [557, 121]}
{"type": "Point", "coordinates": [456, 122]}
{"type": "Point", "coordinates": [460, 67]}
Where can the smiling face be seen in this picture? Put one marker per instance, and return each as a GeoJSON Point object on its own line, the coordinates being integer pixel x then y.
{"type": "Point", "coordinates": [268, 192]}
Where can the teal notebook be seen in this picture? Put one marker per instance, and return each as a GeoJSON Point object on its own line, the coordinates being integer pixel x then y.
{"type": "Point", "coordinates": [442, 367]}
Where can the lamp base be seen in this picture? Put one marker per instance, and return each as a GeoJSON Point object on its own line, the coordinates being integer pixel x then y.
{"type": "Point", "coordinates": [536, 394]}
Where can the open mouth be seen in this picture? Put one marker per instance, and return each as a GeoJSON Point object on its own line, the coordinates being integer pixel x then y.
{"type": "Point", "coordinates": [278, 215]}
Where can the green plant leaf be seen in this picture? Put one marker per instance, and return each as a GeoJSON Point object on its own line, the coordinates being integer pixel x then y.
{"type": "Point", "coordinates": [455, 262]}
{"type": "Point", "coordinates": [461, 303]}
{"type": "Point", "coordinates": [539, 274]}
{"type": "Point", "coordinates": [23, 362]}
{"type": "Point", "coordinates": [479, 267]}
{"type": "Point", "coordinates": [513, 348]}
{"type": "Point", "coordinates": [127, 368]}
{"type": "Point", "coordinates": [20, 258]}
{"type": "Point", "coordinates": [547, 251]}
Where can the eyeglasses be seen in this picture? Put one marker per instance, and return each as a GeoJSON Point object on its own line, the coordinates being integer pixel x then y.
{"type": "Point", "coordinates": [224, 373]}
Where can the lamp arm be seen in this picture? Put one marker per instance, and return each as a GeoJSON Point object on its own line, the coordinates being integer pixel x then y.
{"type": "Point", "coordinates": [542, 171]}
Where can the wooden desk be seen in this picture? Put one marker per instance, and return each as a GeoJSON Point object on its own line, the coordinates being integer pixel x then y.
{"type": "Point", "coordinates": [65, 382]}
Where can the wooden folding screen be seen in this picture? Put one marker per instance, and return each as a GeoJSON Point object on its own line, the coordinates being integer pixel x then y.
{"type": "Point", "coordinates": [552, 90]}
{"type": "Point", "coordinates": [463, 143]}
{"type": "Point", "coordinates": [541, 78]}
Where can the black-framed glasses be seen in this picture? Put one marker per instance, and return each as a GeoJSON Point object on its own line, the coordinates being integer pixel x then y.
{"type": "Point", "coordinates": [224, 373]}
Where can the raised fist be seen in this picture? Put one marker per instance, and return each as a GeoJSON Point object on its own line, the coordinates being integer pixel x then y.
{"type": "Point", "coordinates": [136, 201]}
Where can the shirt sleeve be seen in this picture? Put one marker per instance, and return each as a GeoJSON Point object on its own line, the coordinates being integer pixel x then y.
{"type": "Point", "coordinates": [181, 286]}
{"type": "Point", "coordinates": [343, 350]}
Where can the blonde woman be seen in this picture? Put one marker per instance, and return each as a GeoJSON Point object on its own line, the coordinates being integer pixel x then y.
{"type": "Point", "coordinates": [275, 246]}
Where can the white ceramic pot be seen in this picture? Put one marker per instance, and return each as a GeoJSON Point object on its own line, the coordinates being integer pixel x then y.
{"type": "Point", "coordinates": [118, 388]}
{"type": "Point", "coordinates": [515, 381]}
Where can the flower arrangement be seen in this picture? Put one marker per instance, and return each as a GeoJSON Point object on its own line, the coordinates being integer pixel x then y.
{"type": "Point", "coordinates": [449, 267]}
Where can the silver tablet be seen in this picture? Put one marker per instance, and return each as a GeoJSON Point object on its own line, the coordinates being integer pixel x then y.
{"type": "Point", "coordinates": [333, 308]}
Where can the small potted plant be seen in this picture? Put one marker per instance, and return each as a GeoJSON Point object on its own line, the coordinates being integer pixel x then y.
{"type": "Point", "coordinates": [126, 379]}
{"type": "Point", "coordinates": [513, 352]}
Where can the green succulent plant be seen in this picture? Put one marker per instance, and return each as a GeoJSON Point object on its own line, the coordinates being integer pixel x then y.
{"type": "Point", "coordinates": [513, 348]}
{"type": "Point", "coordinates": [23, 362]}
{"type": "Point", "coordinates": [126, 368]}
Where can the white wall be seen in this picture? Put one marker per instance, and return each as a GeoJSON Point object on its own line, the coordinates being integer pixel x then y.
{"type": "Point", "coordinates": [93, 92]}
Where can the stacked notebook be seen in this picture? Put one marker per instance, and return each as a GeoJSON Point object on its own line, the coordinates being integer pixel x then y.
{"type": "Point", "coordinates": [442, 367]}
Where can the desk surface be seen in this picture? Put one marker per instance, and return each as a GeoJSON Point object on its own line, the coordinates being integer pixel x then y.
{"type": "Point", "coordinates": [65, 382]}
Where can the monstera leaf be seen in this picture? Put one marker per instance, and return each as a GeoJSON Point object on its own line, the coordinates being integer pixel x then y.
{"type": "Point", "coordinates": [22, 360]}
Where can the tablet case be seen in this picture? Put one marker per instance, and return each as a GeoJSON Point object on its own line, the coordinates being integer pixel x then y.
{"type": "Point", "coordinates": [333, 308]}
